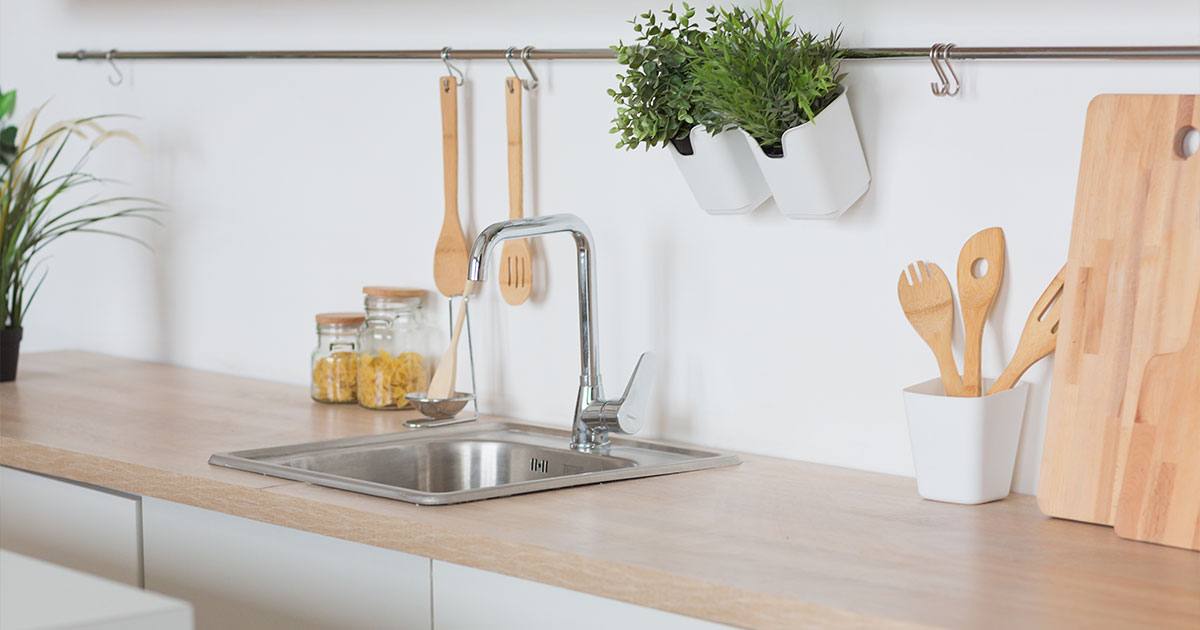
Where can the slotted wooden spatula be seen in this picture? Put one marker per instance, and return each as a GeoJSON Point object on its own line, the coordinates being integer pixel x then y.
{"type": "Point", "coordinates": [1039, 336]}
{"type": "Point", "coordinates": [928, 303]}
{"type": "Point", "coordinates": [516, 267]}
{"type": "Point", "coordinates": [450, 255]}
{"type": "Point", "coordinates": [976, 295]}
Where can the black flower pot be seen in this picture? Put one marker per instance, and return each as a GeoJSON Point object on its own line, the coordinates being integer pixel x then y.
{"type": "Point", "coordinates": [10, 346]}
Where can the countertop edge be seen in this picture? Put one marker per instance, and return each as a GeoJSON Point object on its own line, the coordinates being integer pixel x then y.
{"type": "Point", "coordinates": [635, 585]}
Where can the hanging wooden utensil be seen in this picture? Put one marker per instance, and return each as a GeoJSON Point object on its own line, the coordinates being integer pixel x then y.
{"type": "Point", "coordinates": [516, 266]}
{"type": "Point", "coordinates": [976, 295]}
{"type": "Point", "coordinates": [450, 255]}
{"type": "Point", "coordinates": [1039, 336]}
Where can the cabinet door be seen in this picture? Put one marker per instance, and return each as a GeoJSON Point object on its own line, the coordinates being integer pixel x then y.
{"type": "Point", "coordinates": [469, 599]}
{"type": "Point", "coordinates": [81, 527]}
{"type": "Point", "coordinates": [240, 573]}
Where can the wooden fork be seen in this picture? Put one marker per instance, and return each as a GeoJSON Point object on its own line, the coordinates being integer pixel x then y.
{"type": "Point", "coordinates": [929, 305]}
{"type": "Point", "coordinates": [1039, 336]}
{"type": "Point", "coordinates": [516, 266]}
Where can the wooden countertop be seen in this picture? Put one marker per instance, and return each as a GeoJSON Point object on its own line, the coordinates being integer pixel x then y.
{"type": "Point", "coordinates": [771, 543]}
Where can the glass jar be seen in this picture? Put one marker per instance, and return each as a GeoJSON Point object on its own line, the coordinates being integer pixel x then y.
{"type": "Point", "coordinates": [395, 348]}
{"type": "Point", "coordinates": [335, 359]}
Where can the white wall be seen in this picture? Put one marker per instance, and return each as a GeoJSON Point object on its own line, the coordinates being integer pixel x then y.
{"type": "Point", "coordinates": [295, 183]}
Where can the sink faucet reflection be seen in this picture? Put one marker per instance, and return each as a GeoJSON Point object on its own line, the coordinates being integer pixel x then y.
{"type": "Point", "coordinates": [595, 417]}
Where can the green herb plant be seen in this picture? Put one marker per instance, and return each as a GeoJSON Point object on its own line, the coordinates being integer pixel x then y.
{"type": "Point", "coordinates": [656, 95]}
{"type": "Point", "coordinates": [756, 71]}
{"type": "Point", "coordinates": [40, 203]}
{"type": "Point", "coordinates": [8, 133]}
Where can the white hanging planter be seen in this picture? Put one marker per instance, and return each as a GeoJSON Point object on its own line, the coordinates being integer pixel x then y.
{"type": "Point", "coordinates": [721, 172]}
{"type": "Point", "coordinates": [823, 170]}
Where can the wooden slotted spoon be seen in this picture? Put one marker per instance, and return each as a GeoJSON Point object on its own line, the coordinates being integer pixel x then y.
{"type": "Point", "coordinates": [975, 297]}
{"type": "Point", "coordinates": [450, 256]}
{"type": "Point", "coordinates": [929, 305]}
{"type": "Point", "coordinates": [1039, 336]}
{"type": "Point", "coordinates": [516, 270]}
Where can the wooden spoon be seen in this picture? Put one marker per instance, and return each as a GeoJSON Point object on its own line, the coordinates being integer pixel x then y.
{"type": "Point", "coordinates": [975, 297]}
{"type": "Point", "coordinates": [1039, 336]}
{"type": "Point", "coordinates": [516, 271]}
{"type": "Point", "coordinates": [450, 256]}
{"type": "Point", "coordinates": [441, 386]}
{"type": "Point", "coordinates": [929, 305]}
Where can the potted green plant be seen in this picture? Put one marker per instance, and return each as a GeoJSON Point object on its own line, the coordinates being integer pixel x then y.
{"type": "Point", "coordinates": [783, 88]}
{"type": "Point", "coordinates": [40, 203]}
{"type": "Point", "coordinates": [657, 105]}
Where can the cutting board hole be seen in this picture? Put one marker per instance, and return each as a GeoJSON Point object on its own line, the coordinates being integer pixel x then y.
{"type": "Point", "coordinates": [1187, 141]}
{"type": "Point", "coordinates": [979, 268]}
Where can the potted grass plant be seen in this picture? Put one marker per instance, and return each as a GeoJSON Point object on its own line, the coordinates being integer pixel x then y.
{"type": "Point", "coordinates": [783, 88]}
{"type": "Point", "coordinates": [41, 201]}
{"type": "Point", "coordinates": [658, 105]}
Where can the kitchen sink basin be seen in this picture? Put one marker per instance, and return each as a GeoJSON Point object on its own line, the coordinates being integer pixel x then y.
{"type": "Point", "coordinates": [466, 463]}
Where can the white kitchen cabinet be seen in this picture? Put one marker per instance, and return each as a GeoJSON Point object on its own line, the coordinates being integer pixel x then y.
{"type": "Point", "coordinates": [37, 594]}
{"type": "Point", "coordinates": [470, 599]}
{"type": "Point", "coordinates": [81, 527]}
{"type": "Point", "coordinates": [240, 573]}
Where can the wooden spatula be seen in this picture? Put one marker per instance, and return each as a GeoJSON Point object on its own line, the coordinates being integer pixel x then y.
{"type": "Point", "coordinates": [976, 295]}
{"type": "Point", "coordinates": [441, 386]}
{"type": "Point", "coordinates": [929, 305]}
{"type": "Point", "coordinates": [450, 256]}
{"type": "Point", "coordinates": [516, 267]}
{"type": "Point", "coordinates": [1038, 337]}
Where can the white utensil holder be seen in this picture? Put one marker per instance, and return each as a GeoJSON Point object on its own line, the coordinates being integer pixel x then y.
{"type": "Point", "coordinates": [823, 170]}
{"type": "Point", "coordinates": [964, 449]}
{"type": "Point", "coordinates": [721, 172]}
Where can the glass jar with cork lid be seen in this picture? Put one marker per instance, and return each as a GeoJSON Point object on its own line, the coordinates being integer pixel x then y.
{"type": "Point", "coordinates": [335, 359]}
{"type": "Point", "coordinates": [395, 347]}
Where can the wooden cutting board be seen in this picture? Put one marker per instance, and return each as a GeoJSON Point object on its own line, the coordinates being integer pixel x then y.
{"type": "Point", "coordinates": [1159, 498]}
{"type": "Point", "coordinates": [1133, 273]}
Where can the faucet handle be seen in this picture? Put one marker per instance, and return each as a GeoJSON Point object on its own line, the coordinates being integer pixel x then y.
{"type": "Point", "coordinates": [625, 415]}
{"type": "Point", "coordinates": [632, 409]}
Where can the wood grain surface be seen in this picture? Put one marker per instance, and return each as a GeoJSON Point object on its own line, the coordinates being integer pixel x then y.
{"type": "Point", "coordinates": [1160, 490]}
{"type": "Point", "coordinates": [771, 543]}
{"type": "Point", "coordinates": [1133, 272]}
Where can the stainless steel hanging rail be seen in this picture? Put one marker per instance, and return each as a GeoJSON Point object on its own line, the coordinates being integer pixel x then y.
{"type": "Point", "coordinates": [1027, 52]}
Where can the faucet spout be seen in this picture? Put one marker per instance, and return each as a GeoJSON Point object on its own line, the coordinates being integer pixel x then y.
{"type": "Point", "coordinates": [590, 388]}
{"type": "Point", "coordinates": [595, 417]}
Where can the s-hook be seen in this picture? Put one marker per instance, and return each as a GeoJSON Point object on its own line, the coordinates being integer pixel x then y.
{"type": "Point", "coordinates": [454, 72]}
{"type": "Point", "coordinates": [949, 68]}
{"type": "Point", "coordinates": [120, 77]}
{"type": "Point", "coordinates": [533, 81]}
{"type": "Point", "coordinates": [939, 56]}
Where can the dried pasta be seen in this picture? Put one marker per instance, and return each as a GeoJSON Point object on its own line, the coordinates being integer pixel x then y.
{"type": "Point", "coordinates": [334, 378]}
{"type": "Point", "coordinates": [383, 380]}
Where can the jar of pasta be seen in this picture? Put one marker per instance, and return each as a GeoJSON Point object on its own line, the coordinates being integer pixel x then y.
{"type": "Point", "coordinates": [335, 360]}
{"type": "Point", "coordinates": [395, 347]}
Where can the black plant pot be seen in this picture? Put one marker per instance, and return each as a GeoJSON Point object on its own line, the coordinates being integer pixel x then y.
{"type": "Point", "coordinates": [10, 346]}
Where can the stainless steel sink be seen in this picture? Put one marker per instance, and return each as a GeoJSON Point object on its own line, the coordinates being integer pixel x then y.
{"type": "Point", "coordinates": [466, 463]}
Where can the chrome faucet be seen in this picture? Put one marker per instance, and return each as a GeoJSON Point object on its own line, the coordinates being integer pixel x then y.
{"type": "Point", "coordinates": [595, 417]}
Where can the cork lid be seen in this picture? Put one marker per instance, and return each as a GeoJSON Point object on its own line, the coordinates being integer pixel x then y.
{"type": "Point", "coordinates": [393, 292]}
{"type": "Point", "coordinates": [341, 319]}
